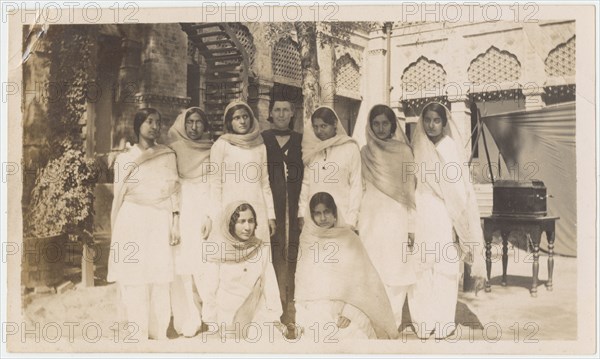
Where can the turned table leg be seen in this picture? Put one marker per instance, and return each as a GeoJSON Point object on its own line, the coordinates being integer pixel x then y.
{"type": "Point", "coordinates": [504, 235]}
{"type": "Point", "coordinates": [535, 236]}
{"type": "Point", "coordinates": [550, 237]}
{"type": "Point", "coordinates": [487, 236]}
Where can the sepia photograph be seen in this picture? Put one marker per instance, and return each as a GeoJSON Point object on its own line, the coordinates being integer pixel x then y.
{"type": "Point", "coordinates": [233, 178]}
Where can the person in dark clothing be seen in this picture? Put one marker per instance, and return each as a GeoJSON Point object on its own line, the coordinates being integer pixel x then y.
{"type": "Point", "coordinates": [284, 157]}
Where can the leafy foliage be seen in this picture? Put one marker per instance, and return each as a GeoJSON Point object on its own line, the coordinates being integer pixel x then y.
{"type": "Point", "coordinates": [338, 32]}
{"type": "Point", "coordinates": [63, 195]}
{"type": "Point", "coordinates": [309, 35]}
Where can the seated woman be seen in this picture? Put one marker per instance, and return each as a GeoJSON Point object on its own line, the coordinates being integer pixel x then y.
{"type": "Point", "coordinates": [241, 284]}
{"type": "Point", "coordinates": [336, 281]}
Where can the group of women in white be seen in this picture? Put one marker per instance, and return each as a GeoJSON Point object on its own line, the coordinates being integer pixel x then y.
{"type": "Point", "coordinates": [211, 222]}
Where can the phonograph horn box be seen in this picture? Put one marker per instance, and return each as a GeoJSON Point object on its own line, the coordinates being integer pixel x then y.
{"type": "Point", "coordinates": [519, 198]}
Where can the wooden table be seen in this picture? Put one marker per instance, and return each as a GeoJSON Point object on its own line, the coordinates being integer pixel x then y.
{"type": "Point", "coordinates": [534, 226]}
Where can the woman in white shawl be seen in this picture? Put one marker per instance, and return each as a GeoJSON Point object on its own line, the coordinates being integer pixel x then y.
{"type": "Point", "coordinates": [144, 221]}
{"type": "Point", "coordinates": [240, 160]}
{"type": "Point", "coordinates": [186, 138]}
{"type": "Point", "coordinates": [241, 285]}
{"type": "Point", "coordinates": [387, 204]}
{"type": "Point", "coordinates": [336, 283]}
{"type": "Point", "coordinates": [447, 221]}
{"type": "Point", "coordinates": [332, 165]}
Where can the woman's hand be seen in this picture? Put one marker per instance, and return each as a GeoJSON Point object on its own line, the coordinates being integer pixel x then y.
{"type": "Point", "coordinates": [206, 228]}
{"type": "Point", "coordinates": [175, 233]}
{"type": "Point", "coordinates": [272, 227]}
{"type": "Point", "coordinates": [343, 322]}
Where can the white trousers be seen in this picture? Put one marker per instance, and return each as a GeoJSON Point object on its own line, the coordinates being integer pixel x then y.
{"type": "Point", "coordinates": [397, 295]}
{"type": "Point", "coordinates": [148, 310]}
{"type": "Point", "coordinates": [186, 304]}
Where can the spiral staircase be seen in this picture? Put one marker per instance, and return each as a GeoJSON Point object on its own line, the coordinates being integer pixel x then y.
{"type": "Point", "coordinates": [227, 67]}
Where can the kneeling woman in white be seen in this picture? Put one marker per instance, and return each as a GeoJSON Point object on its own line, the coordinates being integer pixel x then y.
{"type": "Point", "coordinates": [242, 287]}
{"type": "Point", "coordinates": [336, 283]}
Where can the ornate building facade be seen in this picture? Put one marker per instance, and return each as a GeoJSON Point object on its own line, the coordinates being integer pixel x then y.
{"type": "Point", "coordinates": [490, 67]}
{"type": "Point", "coordinates": [498, 66]}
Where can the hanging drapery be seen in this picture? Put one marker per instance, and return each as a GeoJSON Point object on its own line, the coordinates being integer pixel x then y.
{"type": "Point", "coordinates": [540, 144]}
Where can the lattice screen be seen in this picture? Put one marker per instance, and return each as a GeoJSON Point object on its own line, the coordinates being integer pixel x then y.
{"type": "Point", "coordinates": [424, 74]}
{"type": "Point", "coordinates": [286, 60]}
{"type": "Point", "coordinates": [561, 60]}
{"type": "Point", "coordinates": [494, 66]}
{"type": "Point", "coordinates": [244, 36]}
{"type": "Point", "coordinates": [347, 74]}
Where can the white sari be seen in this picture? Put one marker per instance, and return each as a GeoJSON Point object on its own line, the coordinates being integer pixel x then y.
{"type": "Point", "coordinates": [242, 288]}
{"type": "Point", "coordinates": [387, 201]}
{"type": "Point", "coordinates": [340, 281]}
{"type": "Point", "coordinates": [332, 166]}
{"type": "Point", "coordinates": [448, 228]}
{"type": "Point", "coordinates": [192, 164]}
{"type": "Point", "coordinates": [146, 192]}
{"type": "Point", "coordinates": [241, 173]}
{"type": "Point", "coordinates": [387, 204]}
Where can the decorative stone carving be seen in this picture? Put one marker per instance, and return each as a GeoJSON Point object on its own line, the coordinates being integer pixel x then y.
{"type": "Point", "coordinates": [424, 74]}
{"type": "Point", "coordinates": [286, 60]}
{"type": "Point", "coordinates": [380, 52]}
{"type": "Point", "coordinates": [494, 66]}
{"type": "Point", "coordinates": [347, 74]}
{"type": "Point", "coordinates": [353, 52]}
{"type": "Point", "coordinates": [561, 60]}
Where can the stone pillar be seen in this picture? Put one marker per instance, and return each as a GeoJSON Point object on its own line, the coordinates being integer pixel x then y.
{"type": "Point", "coordinates": [376, 82]}
{"type": "Point", "coordinates": [128, 86]}
{"type": "Point", "coordinates": [461, 114]}
{"type": "Point", "coordinates": [130, 64]}
{"type": "Point", "coordinates": [327, 78]}
{"type": "Point", "coordinates": [399, 111]}
{"type": "Point", "coordinates": [262, 103]}
{"type": "Point", "coordinates": [202, 67]}
{"type": "Point", "coordinates": [164, 72]}
{"type": "Point", "coordinates": [533, 69]}
{"type": "Point", "coordinates": [373, 89]}
{"type": "Point", "coordinates": [457, 82]}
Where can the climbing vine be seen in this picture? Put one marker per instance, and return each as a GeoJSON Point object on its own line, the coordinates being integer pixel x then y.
{"type": "Point", "coordinates": [63, 195]}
